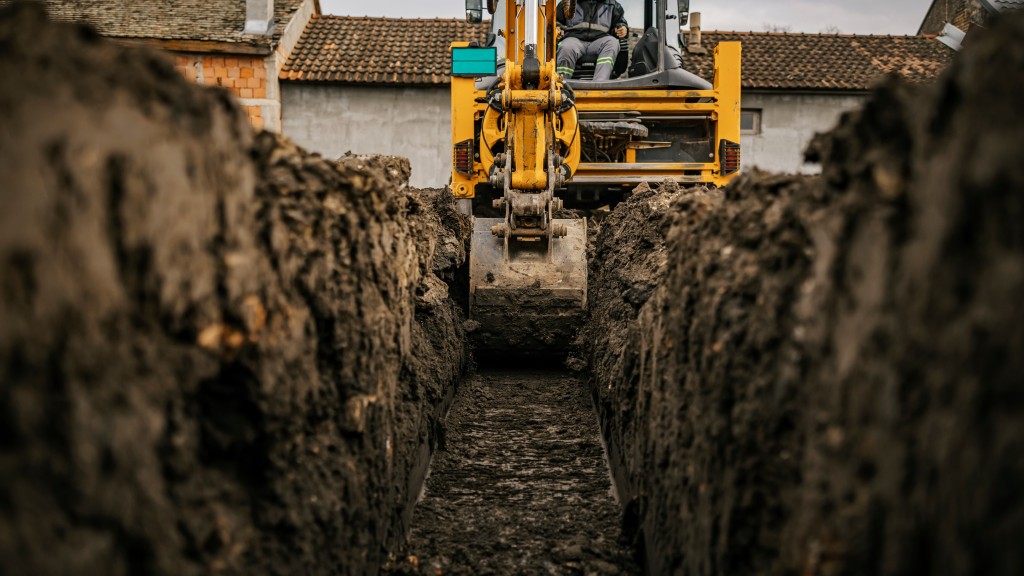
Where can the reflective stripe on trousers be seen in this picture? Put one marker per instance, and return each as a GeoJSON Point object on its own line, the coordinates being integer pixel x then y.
{"type": "Point", "coordinates": [570, 50]}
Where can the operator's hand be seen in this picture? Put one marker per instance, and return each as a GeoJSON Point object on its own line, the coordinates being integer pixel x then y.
{"type": "Point", "coordinates": [621, 31]}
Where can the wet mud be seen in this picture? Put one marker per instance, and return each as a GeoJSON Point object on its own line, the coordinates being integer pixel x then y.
{"type": "Point", "coordinates": [823, 375]}
{"type": "Point", "coordinates": [519, 484]}
{"type": "Point", "coordinates": [219, 354]}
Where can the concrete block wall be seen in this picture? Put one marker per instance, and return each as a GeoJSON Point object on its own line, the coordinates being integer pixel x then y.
{"type": "Point", "coordinates": [395, 120]}
{"type": "Point", "coordinates": [788, 123]}
{"type": "Point", "coordinates": [415, 123]}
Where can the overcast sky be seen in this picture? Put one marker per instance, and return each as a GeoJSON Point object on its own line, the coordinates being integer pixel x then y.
{"type": "Point", "coordinates": [848, 16]}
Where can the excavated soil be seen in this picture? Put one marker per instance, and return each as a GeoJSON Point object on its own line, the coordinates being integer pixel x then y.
{"type": "Point", "coordinates": [222, 355]}
{"type": "Point", "coordinates": [218, 353]}
{"type": "Point", "coordinates": [520, 485]}
{"type": "Point", "coordinates": [824, 375]}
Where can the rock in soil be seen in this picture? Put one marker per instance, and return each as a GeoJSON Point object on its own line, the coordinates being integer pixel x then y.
{"type": "Point", "coordinates": [822, 376]}
{"type": "Point", "coordinates": [219, 354]}
{"type": "Point", "coordinates": [520, 486]}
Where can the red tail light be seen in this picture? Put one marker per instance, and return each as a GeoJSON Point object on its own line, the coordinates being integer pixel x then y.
{"type": "Point", "coordinates": [462, 158]}
{"type": "Point", "coordinates": [729, 156]}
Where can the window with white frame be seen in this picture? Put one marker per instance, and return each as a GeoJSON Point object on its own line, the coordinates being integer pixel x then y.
{"type": "Point", "coordinates": [750, 121]}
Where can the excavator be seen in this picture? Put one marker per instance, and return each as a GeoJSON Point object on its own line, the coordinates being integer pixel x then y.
{"type": "Point", "coordinates": [528, 144]}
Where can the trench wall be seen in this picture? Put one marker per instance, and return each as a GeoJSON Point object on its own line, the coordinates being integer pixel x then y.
{"type": "Point", "coordinates": [823, 375]}
{"type": "Point", "coordinates": [219, 354]}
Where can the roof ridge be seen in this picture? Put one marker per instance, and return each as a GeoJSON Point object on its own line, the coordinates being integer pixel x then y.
{"type": "Point", "coordinates": [207, 21]}
{"type": "Point", "coordinates": [811, 34]}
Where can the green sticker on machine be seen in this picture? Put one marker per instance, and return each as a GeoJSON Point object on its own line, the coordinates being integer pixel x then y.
{"type": "Point", "coordinates": [470, 61]}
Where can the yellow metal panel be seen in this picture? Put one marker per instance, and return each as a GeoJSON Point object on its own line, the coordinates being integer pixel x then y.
{"type": "Point", "coordinates": [464, 112]}
{"type": "Point", "coordinates": [529, 146]}
{"type": "Point", "coordinates": [666, 167]}
{"type": "Point", "coordinates": [660, 101]}
{"type": "Point", "coordinates": [675, 95]}
{"type": "Point", "coordinates": [492, 131]}
{"type": "Point", "coordinates": [568, 135]}
{"type": "Point", "coordinates": [532, 126]}
{"type": "Point", "coordinates": [632, 179]}
{"type": "Point", "coordinates": [728, 88]}
{"type": "Point", "coordinates": [634, 173]}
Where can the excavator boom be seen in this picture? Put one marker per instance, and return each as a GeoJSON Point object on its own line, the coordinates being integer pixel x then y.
{"type": "Point", "coordinates": [528, 270]}
{"type": "Point", "coordinates": [525, 140]}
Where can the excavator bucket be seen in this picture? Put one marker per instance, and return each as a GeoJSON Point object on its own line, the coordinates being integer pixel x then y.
{"type": "Point", "coordinates": [527, 299]}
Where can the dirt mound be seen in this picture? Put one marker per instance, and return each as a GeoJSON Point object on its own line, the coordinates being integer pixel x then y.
{"type": "Point", "coordinates": [218, 353]}
{"type": "Point", "coordinates": [628, 257]}
{"type": "Point", "coordinates": [826, 377]}
{"type": "Point", "coordinates": [704, 298]}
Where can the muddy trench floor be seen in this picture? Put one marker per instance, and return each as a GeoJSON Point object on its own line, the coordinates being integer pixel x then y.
{"type": "Point", "coordinates": [520, 485]}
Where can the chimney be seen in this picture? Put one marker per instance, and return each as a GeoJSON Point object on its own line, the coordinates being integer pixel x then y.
{"type": "Point", "coordinates": [693, 45]}
{"type": "Point", "coordinates": [259, 17]}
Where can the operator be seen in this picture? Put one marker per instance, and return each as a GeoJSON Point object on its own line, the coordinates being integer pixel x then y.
{"type": "Point", "coordinates": [590, 32]}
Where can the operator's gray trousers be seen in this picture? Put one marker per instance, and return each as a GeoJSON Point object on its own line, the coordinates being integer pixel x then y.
{"type": "Point", "coordinates": [606, 48]}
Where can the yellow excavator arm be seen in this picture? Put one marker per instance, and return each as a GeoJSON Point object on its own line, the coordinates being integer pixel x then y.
{"type": "Point", "coordinates": [527, 142]}
{"type": "Point", "coordinates": [523, 137]}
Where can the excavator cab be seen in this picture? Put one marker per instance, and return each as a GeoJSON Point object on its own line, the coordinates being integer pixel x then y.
{"type": "Point", "coordinates": [644, 27]}
{"type": "Point", "coordinates": [527, 143]}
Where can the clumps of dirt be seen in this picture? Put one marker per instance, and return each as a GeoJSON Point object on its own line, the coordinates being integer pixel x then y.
{"type": "Point", "coordinates": [701, 279]}
{"type": "Point", "coordinates": [218, 353]}
{"type": "Point", "coordinates": [520, 486]}
{"type": "Point", "coordinates": [626, 252]}
{"type": "Point", "coordinates": [825, 377]}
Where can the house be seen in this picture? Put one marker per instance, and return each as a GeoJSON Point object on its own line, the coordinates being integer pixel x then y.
{"type": "Point", "coordinates": [959, 13]}
{"type": "Point", "coordinates": [376, 85]}
{"type": "Point", "coordinates": [963, 14]}
{"type": "Point", "coordinates": [795, 85]}
{"type": "Point", "coordinates": [380, 85]}
{"type": "Point", "coordinates": [240, 45]}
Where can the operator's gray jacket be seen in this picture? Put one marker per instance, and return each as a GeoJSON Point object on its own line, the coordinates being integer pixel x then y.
{"type": "Point", "coordinates": [592, 20]}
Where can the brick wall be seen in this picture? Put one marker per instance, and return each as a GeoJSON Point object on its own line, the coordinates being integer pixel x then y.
{"type": "Point", "coordinates": [251, 78]}
{"type": "Point", "coordinates": [960, 13]}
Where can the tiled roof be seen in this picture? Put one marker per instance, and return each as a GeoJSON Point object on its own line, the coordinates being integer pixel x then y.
{"type": "Point", "coordinates": [786, 61]}
{"type": "Point", "coordinates": [361, 50]}
{"type": "Point", "coordinates": [183, 20]}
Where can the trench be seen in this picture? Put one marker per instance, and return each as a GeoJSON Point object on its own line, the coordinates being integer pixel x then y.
{"type": "Point", "coordinates": [519, 484]}
{"type": "Point", "coordinates": [236, 357]}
